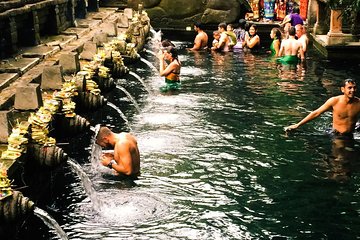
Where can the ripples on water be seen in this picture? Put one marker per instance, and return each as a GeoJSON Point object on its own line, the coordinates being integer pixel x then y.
{"type": "Point", "coordinates": [216, 163]}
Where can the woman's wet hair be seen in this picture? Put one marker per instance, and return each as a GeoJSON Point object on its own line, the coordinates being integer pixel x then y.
{"type": "Point", "coordinates": [167, 43]}
{"type": "Point", "coordinates": [277, 32]}
{"type": "Point", "coordinates": [173, 51]}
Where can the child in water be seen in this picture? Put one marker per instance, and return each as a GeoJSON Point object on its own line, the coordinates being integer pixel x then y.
{"type": "Point", "coordinates": [215, 42]}
{"type": "Point", "coordinates": [232, 36]}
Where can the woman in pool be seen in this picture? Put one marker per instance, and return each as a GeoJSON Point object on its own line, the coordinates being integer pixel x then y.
{"type": "Point", "coordinates": [171, 72]}
{"type": "Point", "coordinates": [275, 35]}
{"type": "Point", "coordinates": [252, 41]}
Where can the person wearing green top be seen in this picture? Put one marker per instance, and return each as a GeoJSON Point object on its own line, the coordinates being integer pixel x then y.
{"type": "Point", "coordinates": [275, 35]}
{"type": "Point", "coordinates": [231, 34]}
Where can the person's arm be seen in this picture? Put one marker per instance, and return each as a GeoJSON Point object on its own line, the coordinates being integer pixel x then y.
{"type": "Point", "coordinates": [314, 114]}
{"type": "Point", "coordinates": [197, 43]}
{"type": "Point", "coordinates": [123, 159]}
{"type": "Point", "coordinates": [164, 71]}
{"type": "Point", "coordinates": [282, 49]}
{"type": "Point", "coordinates": [222, 39]}
{"type": "Point", "coordinates": [301, 52]}
{"type": "Point", "coordinates": [277, 48]}
{"type": "Point", "coordinates": [253, 42]}
{"type": "Point", "coordinates": [304, 44]}
{"type": "Point", "coordinates": [287, 19]}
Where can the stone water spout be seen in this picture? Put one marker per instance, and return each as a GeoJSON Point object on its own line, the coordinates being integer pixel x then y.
{"type": "Point", "coordinates": [87, 101]}
{"type": "Point", "coordinates": [50, 156]}
{"type": "Point", "coordinates": [69, 126]}
{"type": "Point", "coordinates": [15, 207]}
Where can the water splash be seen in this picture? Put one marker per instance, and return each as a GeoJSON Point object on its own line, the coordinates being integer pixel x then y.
{"type": "Point", "coordinates": [140, 80]}
{"type": "Point", "coordinates": [151, 52]}
{"type": "Point", "coordinates": [129, 97]}
{"type": "Point", "coordinates": [149, 64]}
{"type": "Point", "coordinates": [122, 115]}
{"type": "Point", "coordinates": [88, 187]}
{"type": "Point", "coordinates": [95, 150]}
{"type": "Point", "coordinates": [50, 222]}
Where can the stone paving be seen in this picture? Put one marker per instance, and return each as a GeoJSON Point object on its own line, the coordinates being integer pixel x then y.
{"type": "Point", "coordinates": [27, 66]}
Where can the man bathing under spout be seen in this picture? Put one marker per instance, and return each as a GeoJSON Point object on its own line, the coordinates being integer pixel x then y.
{"type": "Point", "coordinates": [345, 110]}
{"type": "Point", "coordinates": [126, 157]}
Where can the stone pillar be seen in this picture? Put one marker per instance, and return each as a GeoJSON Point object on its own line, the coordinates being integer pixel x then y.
{"type": "Point", "coordinates": [71, 10]}
{"type": "Point", "coordinates": [13, 34]}
{"type": "Point", "coordinates": [4, 126]}
{"type": "Point", "coordinates": [335, 23]}
{"type": "Point", "coordinates": [89, 51]}
{"type": "Point", "coordinates": [28, 97]}
{"type": "Point", "coordinates": [93, 5]}
{"type": "Point", "coordinates": [57, 19]}
{"type": "Point", "coordinates": [52, 77]}
{"type": "Point", "coordinates": [70, 62]}
{"type": "Point", "coordinates": [36, 27]}
{"type": "Point", "coordinates": [320, 27]}
{"type": "Point", "coordinates": [123, 21]}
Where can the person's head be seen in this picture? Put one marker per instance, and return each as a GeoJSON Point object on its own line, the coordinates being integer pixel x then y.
{"type": "Point", "coordinates": [229, 28]}
{"type": "Point", "coordinates": [166, 43]}
{"type": "Point", "coordinates": [348, 88]}
{"type": "Point", "coordinates": [292, 31]}
{"type": "Point", "coordinates": [299, 30]}
{"type": "Point", "coordinates": [242, 23]}
{"type": "Point", "coordinates": [216, 35]}
{"type": "Point", "coordinates": [275, 33]}
{"type": "Point", "coordinates": [170, 53]}
{"type": "Point", "coordinates": [222, 27]}
{"type": "Point", "coordinates": [103, 137]}
{"type": "Point", "coordinates": [296, 10]}
{"type": "Point", "coordinates": [252, 30]}
{"type": "Point", "coordinates": [198, 26]}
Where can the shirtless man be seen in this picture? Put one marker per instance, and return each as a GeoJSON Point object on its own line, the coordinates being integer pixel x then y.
{"type": "Point", "coordinates": [290, 48]}
{"type": "Point", "coordinates": [201, 39]}
{"type": "Point", "coordinates": [345, 110]}
{"type": "Point", "coordinates": [301, 36]}
{"type": "Point", "coordinates": [224, 40]}
{"type": "Point", "coordinates": [126, 157]}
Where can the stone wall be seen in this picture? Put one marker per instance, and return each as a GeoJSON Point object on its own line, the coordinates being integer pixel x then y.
{"type": "Point", "coordinates": [183, 13]}
{"type": "Point", "coordinates": [25, 24]}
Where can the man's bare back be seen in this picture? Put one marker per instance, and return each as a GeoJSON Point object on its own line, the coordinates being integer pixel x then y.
{"type": "Point", "coordinates": [127, 144]}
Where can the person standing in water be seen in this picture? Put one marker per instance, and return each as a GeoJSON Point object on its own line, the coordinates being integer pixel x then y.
{"type": "Point", "coordinates": [252, 41]}
{"type": "Point", "coordinates": [345, 110]}
{"type": "Point", "coordinates": [201, 39]}
{"type": "Point", "coordinates": [290, 49]}
{"type": "Point", "coordinates": [275, 35]}
{"type": "Point", "coordinates": [126, 157]}
{"type": "Point", "coordinates": [171, 72]}
{"type": "Point", "coordinates": [224, 40]}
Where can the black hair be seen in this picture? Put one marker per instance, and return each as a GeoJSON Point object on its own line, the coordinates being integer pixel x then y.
{"type": "Point", "coordinates": [292, 31]}
{"type": "Point", "coordinates": [167, 43]}
{"type": "Point", "coordinates": [296, 10]}
{"type": "Point", "coordinates": [277, 33]}
{"type": "Point", "coordinates": [222, 25]}
{"type": "Point", "coordinates": [173, 51]}
{"type": "Point", "coordinates": [198, 25]}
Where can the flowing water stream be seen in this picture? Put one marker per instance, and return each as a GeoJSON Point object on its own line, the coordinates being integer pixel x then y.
{"type": "Point", "coordinates": [216, 163]}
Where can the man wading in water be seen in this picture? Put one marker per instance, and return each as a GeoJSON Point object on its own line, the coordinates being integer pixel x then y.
{"type": "Point", "coordinates": [126, 157]}
{"type": "Point", "coordinates": [345, 109]}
